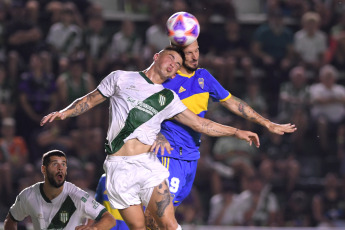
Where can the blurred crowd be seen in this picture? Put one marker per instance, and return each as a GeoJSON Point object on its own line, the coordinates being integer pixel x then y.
{"type": "Point", "coordinates": [53, 52]}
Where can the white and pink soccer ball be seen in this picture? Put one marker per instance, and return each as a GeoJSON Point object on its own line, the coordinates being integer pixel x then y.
{"type": "Point", "coordinates": [182, 28]}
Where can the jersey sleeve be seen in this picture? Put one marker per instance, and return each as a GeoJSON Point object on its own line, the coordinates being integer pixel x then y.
{"type": "Point", "coordinates": [108, 85]}
{"type": "Point", "coordinates": [175, 107]}
{"type": "Point", "coordinates": [19, 209]}
{"type": "Point", "coordinates": [87, 204]}
{"type": "Point", "coordinates": [216, 90]}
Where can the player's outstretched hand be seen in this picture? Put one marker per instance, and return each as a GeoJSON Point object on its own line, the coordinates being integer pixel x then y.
{"type": "Point", "coordinates": [281, 128]}
{"type": "Point", "coordinates": [161, 143]}
{"type": "Point", "coordinates": [248, 136]}
{"type": "Point", "coordinates": [53, 116]}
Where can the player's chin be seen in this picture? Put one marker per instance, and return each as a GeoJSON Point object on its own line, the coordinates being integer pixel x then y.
{"type": "Point", "coordinates": [193, 66]}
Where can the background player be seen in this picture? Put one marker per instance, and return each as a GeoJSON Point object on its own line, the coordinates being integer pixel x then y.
{"type": "Point", "coordinates": [102, 197]}
{"type": "Point", "coordinates": [55, 203]}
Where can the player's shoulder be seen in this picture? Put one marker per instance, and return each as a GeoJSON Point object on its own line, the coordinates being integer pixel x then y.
{"type": "Point", "coordinates": [77, 194]}
{"type": "Point", "coordinates": [203, 72]}
{"type": "Point", "coordinates": [31, 190]}
{"type": "Point", "coordinates": [123, 75]}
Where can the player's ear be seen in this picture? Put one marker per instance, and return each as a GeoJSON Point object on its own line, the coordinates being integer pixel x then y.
{"type": "Point", "coordinates": [43, 169]}
{"type": "Point", "coordinates": [155, 57]}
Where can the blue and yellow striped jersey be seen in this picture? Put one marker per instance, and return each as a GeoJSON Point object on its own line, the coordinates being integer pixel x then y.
{"type": "Point", "coordinates": [102, 197]}
{"type": "Point", "coordinates": [194, 91]}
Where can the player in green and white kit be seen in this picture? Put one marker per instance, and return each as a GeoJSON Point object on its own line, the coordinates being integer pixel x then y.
{"type": "Point", "coordinates": [56, 203]}
{"type": "Point", "coordinates": [138, 105]}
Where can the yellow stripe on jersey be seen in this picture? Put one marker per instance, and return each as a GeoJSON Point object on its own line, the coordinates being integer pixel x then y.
{"type": "Point", "coordinates": [197, 103]}
{"type": "Point", "coordinates": [185, 75]}
{"type": "Point", "coordinates": [226, 98]}
{"type": "Point", "coordinates": [112, 211]}
{"type": "Point", "coordinates": [166, 162]}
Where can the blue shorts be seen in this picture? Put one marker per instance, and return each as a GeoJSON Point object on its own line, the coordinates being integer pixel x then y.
{"type": "Point", "coordinates": [182, 174]}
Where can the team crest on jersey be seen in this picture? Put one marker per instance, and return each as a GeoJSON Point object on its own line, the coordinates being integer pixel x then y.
{"type": "Point", "coordinates": [162, 99]}
{"type": "Point", "coordinates": [201, 82]}
{"type": "Point", "coordinates": [64, 216]}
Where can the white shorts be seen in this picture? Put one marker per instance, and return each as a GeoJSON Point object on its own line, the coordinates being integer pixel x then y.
{"type": "Point", "coordinates": [130, 180]}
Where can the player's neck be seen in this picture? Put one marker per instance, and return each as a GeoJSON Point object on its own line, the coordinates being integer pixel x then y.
{"type": "Point", "coordinates": [50, 191]}
{"type": "Point", "coordinates": [153, 75]}
{"type": "Point", "coordinates": [185, 71]}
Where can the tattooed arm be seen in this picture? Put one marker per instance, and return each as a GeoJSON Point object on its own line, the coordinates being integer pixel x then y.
{"type": "Point", "coordinates": [241, 108]}
{"type": "Point", "coordinates": [211, 128]}
{"type": "Point", "coordinates": [76, 108]}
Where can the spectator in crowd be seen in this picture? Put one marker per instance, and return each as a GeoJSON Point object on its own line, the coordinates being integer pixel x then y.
{"type": "Point", "coordinates": [53, 11]}
{"type": "Point", "coordinates": [272, 47]}
{"type": "Point", "coordinates": [207, 49]}
{"type": "Point", "coordinates": [236, 154]}
{"type": "Point", "coordinates": [37, 95]}
{"type": "Point", "coordinates": [232, 49]}
{"type": "Point", "coordinates": [3, 15]}
{"type": "Point", "coordinates": [336, 57]}
{"type": "Point", "coordinates": [33, 11]}
{"type": "Point", "coordinates": [53, 136]}
{"type": "Point", "coordinates": [141, 7]}
{"type": "Point", "coordinates": [310, 42]}
{"type": "Point", "coordinates": [254, 97]}
{"type": "Point", "coordinates": [96, 40]}
{"type": "Point", "coordinates": [14, 150]}
{"type": "Point", "coordinates": [7, 94]}
{"type": "Point", "coordinates": [341, 150]}
{"type": "Point", "coordinates": [191, 210]}
{"type": "Point", "coordinates": [155, 35]}
{"type": "Point", "coordinates": [328, 207]}
{"type": "Point", "coordinates": [86, 142]}
{"type": "Point", "coordinates": [297, 211]}
{"type": "Point", "coordinates": [64, 37]}
{"type": "Point", "coordinates": [327, 105]}
{"type": "Point", "coordinates": [126, 48]}
{"type": "Point", "coordinates": [339, 27]}
{"type": "Point", "coordinates": [22, 38]}
{"type": "Point", "coordinates": [257, 205]}
{"type": "Point", "coordinates": [223, 206]}
{"type": "Point", "coordinates": [180, 5]}
{"type": "Point", "coordinates": [278, 165]}
{"type": "Point", "coordinates": [75, 82]}
{"type": "Point", "coordinates": [294, 103]}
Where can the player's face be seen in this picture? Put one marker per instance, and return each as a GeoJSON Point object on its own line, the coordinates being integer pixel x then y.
{"type": "Point", "coordinates": [56, 171]}
{"type": "Point", "coordinates": [168, 63]}
{"type": "Point", "coordinates": [191, 53]}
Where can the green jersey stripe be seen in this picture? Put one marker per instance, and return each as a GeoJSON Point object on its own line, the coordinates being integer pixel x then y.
{"type": "Point", "coordinates": [64, 214]}
{"type": "Point", "coordinates": [140, 114]}
{"type": "Point", "coordinates": [146, 78]}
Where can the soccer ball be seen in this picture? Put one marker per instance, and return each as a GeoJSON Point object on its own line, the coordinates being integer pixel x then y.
{"type": "Point", "coordinates": [182, 28]}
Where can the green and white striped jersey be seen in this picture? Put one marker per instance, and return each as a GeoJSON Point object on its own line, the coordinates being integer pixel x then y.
{"type": "Point", "coordinates": [137, 108]}
{"type": "Point", "coordinates": [66, 211]}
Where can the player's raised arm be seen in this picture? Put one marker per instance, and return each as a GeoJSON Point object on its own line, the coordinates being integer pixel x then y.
{"type": "Point", "coordinates": [76, 108]}
{"type": "Point", "coordinates": [211, 128]}
{"type": "Point", "coordinates": [242, 109]}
